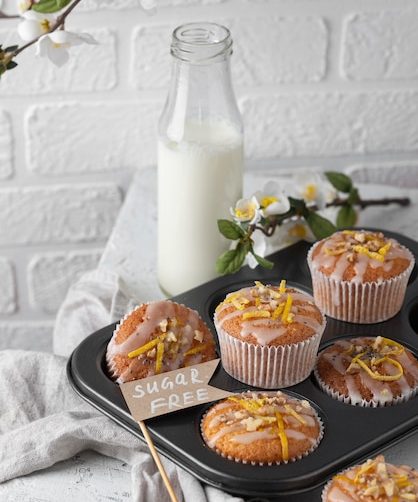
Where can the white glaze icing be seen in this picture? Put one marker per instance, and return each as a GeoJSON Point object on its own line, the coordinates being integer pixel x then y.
{"type": "Point", "coordinates": [266, 330]}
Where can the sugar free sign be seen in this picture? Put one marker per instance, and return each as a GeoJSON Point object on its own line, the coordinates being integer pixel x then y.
{"type": "Point", "coordinates": [172, 391]}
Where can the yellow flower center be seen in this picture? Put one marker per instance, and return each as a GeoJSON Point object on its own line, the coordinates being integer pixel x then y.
{"type": "Point", "coordinates": [246, 213]}
{"type": "Point", "coordinates": [310, 192]}
{"type": "Point", "coordinates": [298, 230]}
{"type": "Point", "coordinates": [45, 25]}
{"type": "Point", "coordinates": [268, 200]}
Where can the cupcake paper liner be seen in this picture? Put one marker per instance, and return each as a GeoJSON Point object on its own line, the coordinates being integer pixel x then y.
{"type": "Point", "coordinates": [110, 364]}
{"type": "Point", "coordinates": [364, 402]}
{"type": "Point", "coordinates": [268, 367]}
{"type": "Point", "coordinates": [357, 302]}
{"type": "Point", "coordinates": [291, 460]}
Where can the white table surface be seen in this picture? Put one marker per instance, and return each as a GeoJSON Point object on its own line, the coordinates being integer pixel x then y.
{"type": "Point", "coordinates": [131, 252]}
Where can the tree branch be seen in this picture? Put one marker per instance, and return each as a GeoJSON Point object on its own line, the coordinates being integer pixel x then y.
{"type": "Point", "coordinates": [58, 23]}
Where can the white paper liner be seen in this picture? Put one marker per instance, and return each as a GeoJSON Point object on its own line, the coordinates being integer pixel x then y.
{"type": "Point", "coordinates": [268, 367]}
{"type": "Point", "coordinates": [291, 460]}
{"type": "Point", "coordinates": [110, 364]}
{"type": "Point", "coordinates": [363, 303]}
{"type": "Point", "coordinates": [365, 403]}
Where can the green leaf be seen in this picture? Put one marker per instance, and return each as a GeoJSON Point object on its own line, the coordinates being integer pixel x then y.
{"type": "Point", "coordinates": [262, 261]}
{"type": "Point", "coordinates": [11, 48]}
{"type": "Point", "coordinates": [339, 181]}
{"type": "Point", "coordinates": [49, 6]}
{"type": "Point", "coordinates": [354, 196]}
{"type": "Point", "coordinates": [346, 216]}
{"type": "Point", "coordinates": [11, 65]}
{"type": "Point", "coordinates": [230, 230]}
{"type": "Point", "coordinates": [320, 226]}
{"type": "Point", "coordinates": [231, 261]}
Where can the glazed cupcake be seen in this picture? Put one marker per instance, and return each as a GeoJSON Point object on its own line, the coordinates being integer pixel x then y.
{"type": "Point", "coordinates": [269, 335]}
{"type": "Point", "coordinates": [262, 428]}
{"type": "Point", "coordinates": [157, 337]}
{"type": "Point", "coordinates": [360, 276]}
{"type": "Point", "coordinates": [375, 480]}
{"type": "Point", "coordinates": [368, 371]}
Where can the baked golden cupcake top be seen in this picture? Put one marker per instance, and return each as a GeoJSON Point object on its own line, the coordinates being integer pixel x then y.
{"type": "Point", "coordinates": [262, 427]}
{"type": "Point", "coordinates": [374, 481]}
{"type": "Point", "coordinates": [367, 368]}
{"type": "Point", "coordinates": [269, 315]}
{"type": "Point", "coordinates": [361, 256]}
{"type": "Point", "coordinates": [157, 337]}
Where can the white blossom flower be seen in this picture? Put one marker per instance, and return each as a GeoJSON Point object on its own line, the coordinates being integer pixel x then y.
{"type": "Point", "coordinates": [272, 200]}
{"type": "Point", "coordinates": [314, 188]}
{"type": "Point", "coordinates": [34, 25]}
{"type": "Point", "coordinates": [55, 45]}
{"type": "Point", "coordinates": [247, 210]}
{"type": "Point", "coordinates": [259, 247]}
{"type": "Point", "coordinates": [24, 5]}
{"type": "Point", "coordinates": [293, 231]}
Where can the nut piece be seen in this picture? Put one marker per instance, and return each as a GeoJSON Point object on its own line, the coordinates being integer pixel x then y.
{"type": "Point", "coordinates": [163, 325]}
{"type": "Point", "coordinates": [198, 335]}
{"type": "Point", "coordinates": [252, 424]}
{"type": "Point", "coordinates": [171, 337]}
{"type": "Point", "coordinates": [151, 353]}
{"type": "Point", "coordinates": [360, 237]}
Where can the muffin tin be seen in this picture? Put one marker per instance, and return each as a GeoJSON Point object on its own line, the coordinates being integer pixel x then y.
{"type": "Point", "coordinates": [352, 433]}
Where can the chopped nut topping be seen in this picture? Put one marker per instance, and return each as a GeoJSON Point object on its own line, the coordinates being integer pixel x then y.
{"type": "Point", "coordinates": [163, 325]}
{"type": "Point", "coordinates": [198, 335]}
{"type": "Point", "coordinates": [171, 337]}
{"type": "Point", "coordinates": [360, 237]}
{"type": "Point", "coordinates": [252, 424]}
{"type": "Point", "coordinates": [305, 403]}
{"type": "Point", "coordinates": [151, 353]}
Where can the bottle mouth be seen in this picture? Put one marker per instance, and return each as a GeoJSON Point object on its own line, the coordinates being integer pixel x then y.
{"type": "Point", "coordinates": [201, 42]}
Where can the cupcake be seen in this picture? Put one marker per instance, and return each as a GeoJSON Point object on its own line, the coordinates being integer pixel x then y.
{"type": "Point", "coordinates": [157, 337]}
{"type": "Point", "coordinates": [375, 480]}
{"type": "Point", "coordinates": [360, 276]}
{"type": "Point", "coordinates": [269, 335]}
{"type": "Point", "coordinates": [262, 428]}
{"type": "Point", "coordinates": [368, 371]}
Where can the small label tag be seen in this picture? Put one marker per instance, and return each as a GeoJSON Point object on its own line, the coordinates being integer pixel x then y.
{"type": "Point", "coordinates": [172, 391]}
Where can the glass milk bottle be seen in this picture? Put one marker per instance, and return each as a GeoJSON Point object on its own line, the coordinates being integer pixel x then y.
{"type": "Point", "coordinates": [200, 157]}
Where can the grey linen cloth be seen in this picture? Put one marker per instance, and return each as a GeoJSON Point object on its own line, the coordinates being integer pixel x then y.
{"type": "Point", "coordinates": [42, 420]}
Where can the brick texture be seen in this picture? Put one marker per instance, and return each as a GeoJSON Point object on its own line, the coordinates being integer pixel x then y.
{"type": "Point", "coordinates": [316, 124]}
{"type": "Point", "coordinates": [90, 68]}
{"type": "Point", "coordinates": [256, 59]}
{"type": "Point", "coordinates": [97, 137]}
{"type": "Point", "coordinates": [7, 287]}
{"type": "Point", "coordinates": [6, 146]}
{"type": "Point", "coordinates": [381, 45]}
{"type": "Point", "coordinates": [54, 214]}
{"type": "Point", "coordinates": [50, 276]}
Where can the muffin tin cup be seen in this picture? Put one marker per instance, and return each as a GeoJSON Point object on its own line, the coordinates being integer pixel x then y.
{"type": "Point", "coordinates": [364, 402]}
{"type": "Point", "coordinates": [293, 459]}
{"type": "Point", "coordinates": [268, 367]}
{"type": "Point", "coordinates": [355, 302]}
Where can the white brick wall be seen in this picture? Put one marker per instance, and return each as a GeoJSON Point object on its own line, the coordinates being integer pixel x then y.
{"type": "Point", "coordinates": [318, 81]}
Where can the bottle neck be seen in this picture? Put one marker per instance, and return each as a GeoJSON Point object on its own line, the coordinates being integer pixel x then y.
{"type": "Point", "coordinates": [199, 93]}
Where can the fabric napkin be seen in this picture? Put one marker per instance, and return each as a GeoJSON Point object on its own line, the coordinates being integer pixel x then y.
{"type": "Point", "coordinates": [42, 420]}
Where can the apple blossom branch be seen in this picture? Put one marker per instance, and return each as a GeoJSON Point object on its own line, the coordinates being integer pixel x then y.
{"type": "Point", "coordinates": [265, 211]}
{"type": "Point", "coordinates": [58, 23]}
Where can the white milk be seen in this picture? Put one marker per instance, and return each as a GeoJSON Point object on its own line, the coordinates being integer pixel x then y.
{"type": "Point", "coordinates": [199, 179]}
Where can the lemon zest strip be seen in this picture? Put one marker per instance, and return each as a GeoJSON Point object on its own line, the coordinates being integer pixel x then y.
{"type": "Point", "coordinates": [148, 346]}
{"type": "Point", "coordinates": [159, 358]}
{"type": "Point", "coordinates": [282, 435]}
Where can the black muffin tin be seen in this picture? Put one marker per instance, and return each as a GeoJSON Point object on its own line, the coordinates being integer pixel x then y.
{"type": "Point", "coordinates": [352, 433]}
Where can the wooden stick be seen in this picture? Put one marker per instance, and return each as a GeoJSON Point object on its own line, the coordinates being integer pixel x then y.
{"type": "Point", "coordinates": [157, 460]}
